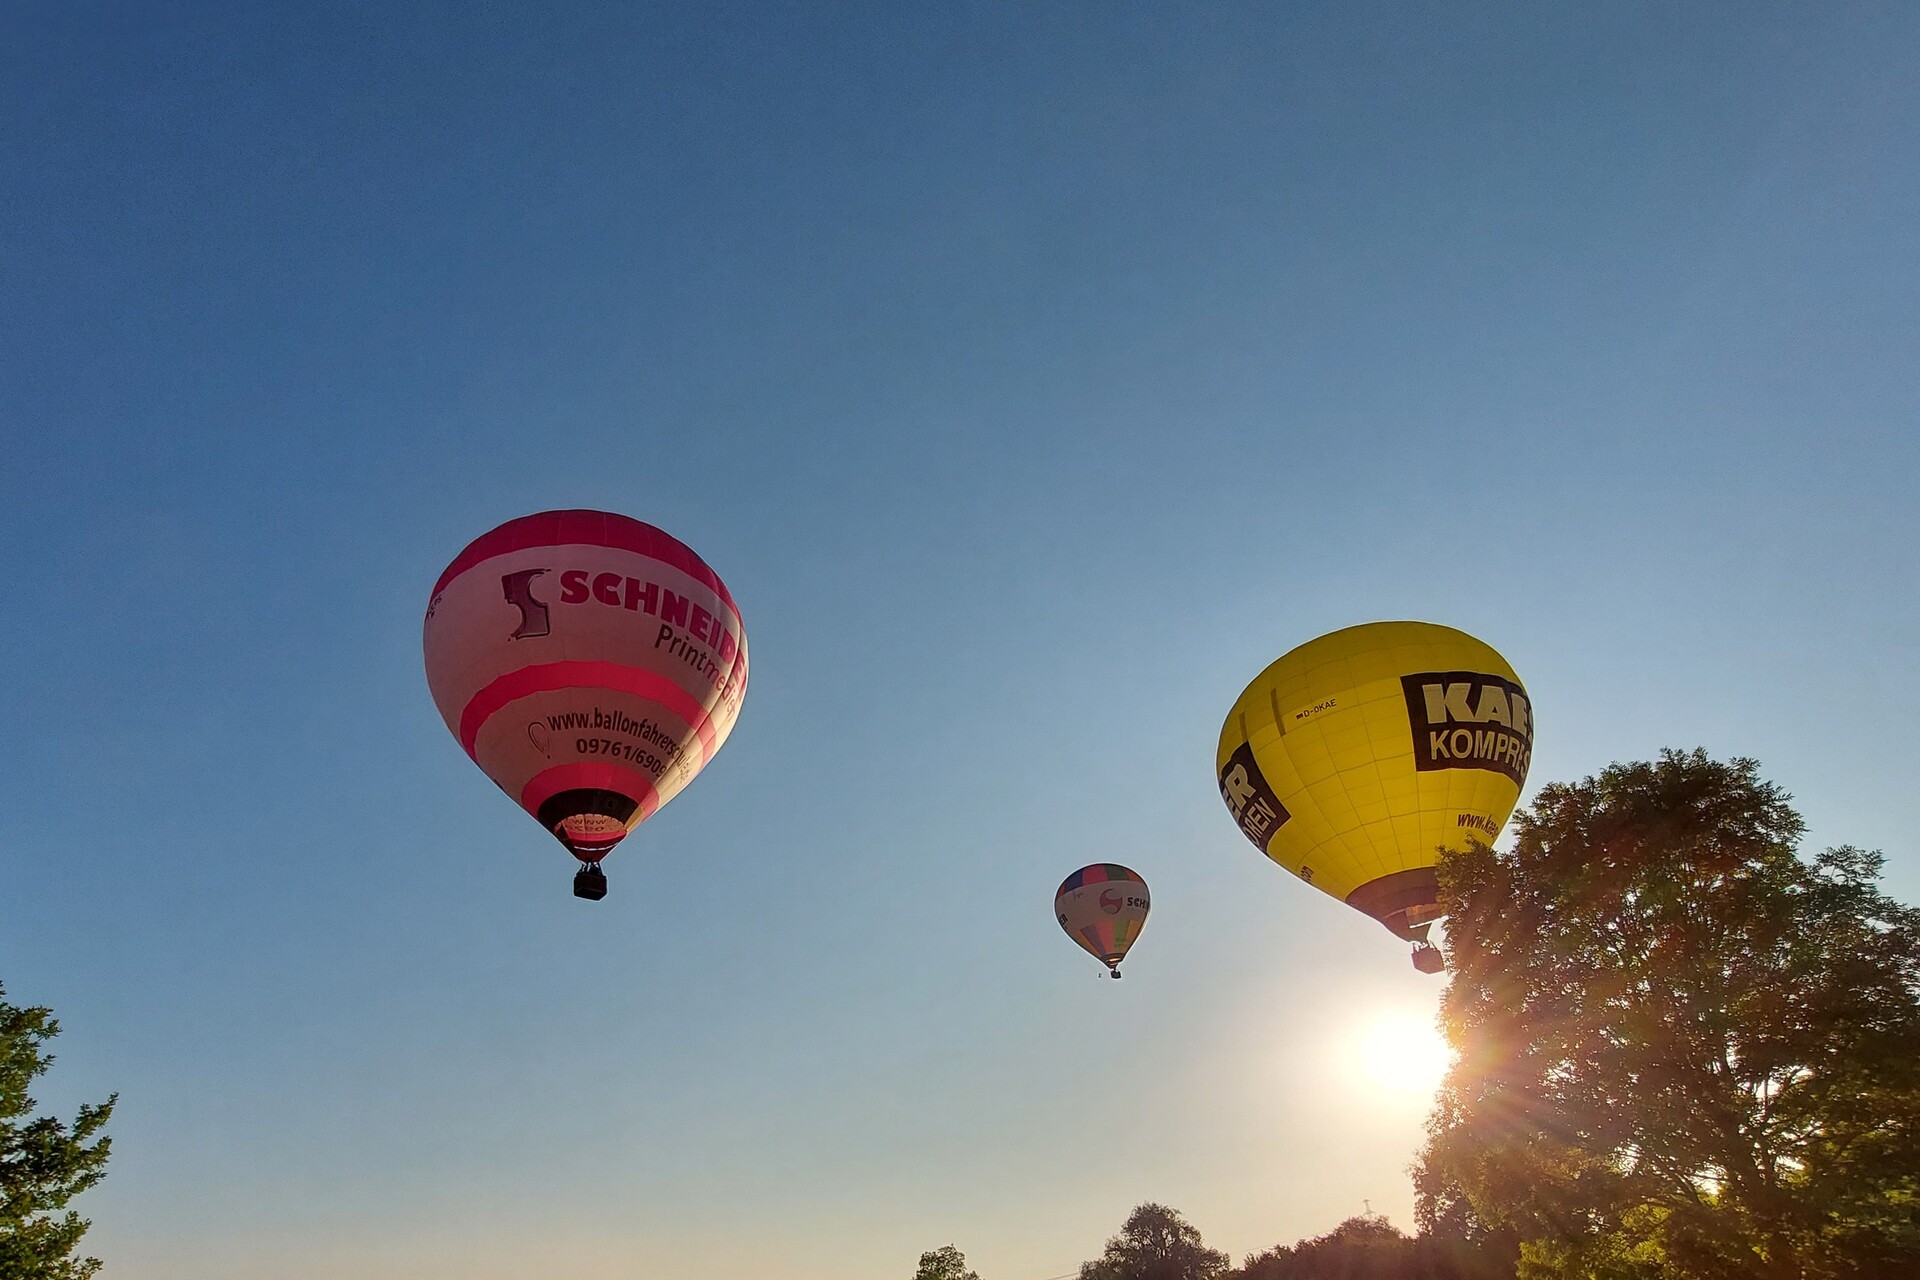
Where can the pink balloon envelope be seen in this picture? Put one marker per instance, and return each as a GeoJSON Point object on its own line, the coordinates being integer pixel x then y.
{"type": "Point", "coordinates": [590, 665]}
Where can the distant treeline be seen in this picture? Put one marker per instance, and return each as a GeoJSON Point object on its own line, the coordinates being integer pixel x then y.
{"type": "Point", "coordinates": [1157, 1243]}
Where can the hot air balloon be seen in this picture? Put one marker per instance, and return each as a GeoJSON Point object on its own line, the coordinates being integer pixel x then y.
{"type": "Point", "coordinates": [591, 665]}
{"type": "Point", "coordinates": [1103, 907]}
{"type": "Point", "coordinates": [1353, 759]}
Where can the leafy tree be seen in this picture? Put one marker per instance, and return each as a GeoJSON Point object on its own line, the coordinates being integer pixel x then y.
{"type": "Point", "coordinates": [1685, 1052]}
{"type": "Point", "coordinates": [1369, 1247]}
{"type": "Point", "coordinates": [1156, 1243]}
{"type": "Point", "coordinates": [944, 1263]}
{"type": "Point", "coordinates": [43, 1163]}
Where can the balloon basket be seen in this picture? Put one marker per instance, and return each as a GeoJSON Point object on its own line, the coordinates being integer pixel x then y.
{"type": "Point", "coordinates": [590, 882]}
{"type": "Point", "coordinates": [1427, 959]}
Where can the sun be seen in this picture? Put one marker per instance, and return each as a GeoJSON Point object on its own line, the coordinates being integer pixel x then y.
{"type": "Point", "coordinates": [1403, 1053]}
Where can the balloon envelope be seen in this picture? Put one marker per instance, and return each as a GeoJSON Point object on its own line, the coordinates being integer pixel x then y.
{"type": "Point", "coordinates": [1103, 908]}
{"type": "Point", "coordinates": [589, 664]}
{"type": "Point", "coordinates": [1354, 758]}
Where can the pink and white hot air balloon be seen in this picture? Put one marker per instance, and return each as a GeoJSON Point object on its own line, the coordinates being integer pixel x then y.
{"type": "Point", "coordinates": [1103, 907]}
{"type": "Point", "coordinates": [591, 665]}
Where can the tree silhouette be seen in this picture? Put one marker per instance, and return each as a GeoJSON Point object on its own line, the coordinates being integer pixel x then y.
{"type": "Point", "coordinates": [1156, 1243]}
{"type": "Point", "coordinates": [43, 1163]}
{"type": "Point", "coordinates": [1368, 1247]}
{"type": "Point", "coordinates": [1685, 1053]}
{"type": "Point", "coordinates": [944, 1263]}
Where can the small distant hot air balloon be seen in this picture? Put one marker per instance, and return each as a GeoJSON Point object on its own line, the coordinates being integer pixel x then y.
{"type": "Point", "coordinates": [591, 665]}
{"type": "Point", "coordinates": [1103, 907]}
{"type": "Point", "coordinates": [1354, 758]}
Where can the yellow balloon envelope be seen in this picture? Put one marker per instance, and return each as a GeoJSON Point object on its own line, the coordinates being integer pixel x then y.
{"type": "Point", "coordinates": [1355, 758]}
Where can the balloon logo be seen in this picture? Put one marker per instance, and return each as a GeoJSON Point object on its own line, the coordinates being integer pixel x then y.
{"type": "Point", "coordinates": [1353, 759]}
{"type": "Point", "coordinates": [590, 665]}
{"type": "Point", "coordinates": [1103, 908]}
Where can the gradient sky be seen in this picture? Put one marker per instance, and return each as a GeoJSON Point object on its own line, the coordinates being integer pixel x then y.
{"type": "Point", "coordinates": [1034, 375]}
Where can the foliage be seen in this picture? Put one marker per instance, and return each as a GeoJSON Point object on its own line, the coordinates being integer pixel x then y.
{"type": "Point", "coordinates": [43, 1163]}
{"type": "Point", "coordinates": [1370, 1248]}
{"type": "Point", "coordinates": [1361, 1248]}
{"type": "Point", "coordinates": [1685, 1053]}
{"type": "Point", "coordinates": [944, 1263]}
{"type": "Point", "coordinates": [1156, 1243]}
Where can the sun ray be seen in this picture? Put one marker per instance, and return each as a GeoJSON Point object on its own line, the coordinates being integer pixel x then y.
{"type": "Point", "coordinates": [1403, 1053]}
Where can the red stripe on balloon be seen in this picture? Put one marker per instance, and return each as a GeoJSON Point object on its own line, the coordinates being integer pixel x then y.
{"type": "Point", "coordinates": [592, 529]}
{"type": "Point", "coordinates": [549, 676]}
{"type": "Point", "coordinates": [594, 775]}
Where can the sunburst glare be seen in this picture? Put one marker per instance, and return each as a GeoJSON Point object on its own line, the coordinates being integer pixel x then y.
{"type": "Point", "coordinates": [1403, 1053]}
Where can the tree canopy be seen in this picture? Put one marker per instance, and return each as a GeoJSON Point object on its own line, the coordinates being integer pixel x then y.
{"type": "Point", "coordinates": [944, 1263]}
{"type": "Point", "coordinates": [1685, 1053]}
{"type": "Point", "coordinates": [44, 1163]}
{"type": "Point", "coordinates": [1156, 1243]}
{"type": "Point", "coordinates": [1368, 1247]}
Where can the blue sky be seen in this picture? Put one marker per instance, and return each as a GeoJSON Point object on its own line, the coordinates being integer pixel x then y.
{"type": "Point", "coordinates": [1033, 375]}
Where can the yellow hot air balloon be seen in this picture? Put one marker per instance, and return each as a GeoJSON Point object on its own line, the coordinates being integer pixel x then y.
{"type": "Point", "coordinates": [1355, 758]}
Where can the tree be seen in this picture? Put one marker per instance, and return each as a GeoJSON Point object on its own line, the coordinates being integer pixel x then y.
{"type": "Point", "coordinates": [944, 1263]}
{"type": "Point", "coordinates": [1685, 1053]}
{"type": "Point", "coordinates": [1368, 1247]}
{"type": "Point", "coordinates": [43, 1163]}
{"type": "Point", "coordinates": [1156, 1243]}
